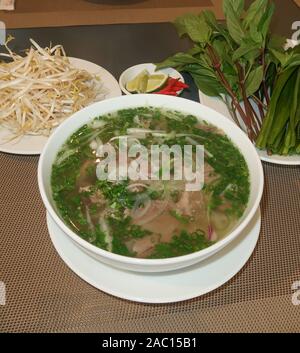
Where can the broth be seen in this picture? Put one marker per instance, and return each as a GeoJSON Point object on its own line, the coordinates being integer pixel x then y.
{"type": "Point", "coordinates": [149, 218]}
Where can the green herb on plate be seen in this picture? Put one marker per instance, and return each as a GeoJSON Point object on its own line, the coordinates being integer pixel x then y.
{"type": "Point", "coordinates": [248, 68]}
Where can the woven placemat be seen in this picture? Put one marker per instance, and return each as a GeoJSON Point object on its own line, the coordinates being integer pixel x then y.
{"type": "Point", "coordinates": [43, 294]}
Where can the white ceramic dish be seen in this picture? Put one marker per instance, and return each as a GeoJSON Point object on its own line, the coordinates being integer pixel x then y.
{"type": "Point", "coordinates": [159, 287]}
{"type": "Point", "coordinates": [218, 105]}
{"type": "Point", "coordinates": [33, 145]}
{"type": "Point", "coordinates": [131, 101]}
{"type": "Point", "coordinates": [133, 71]}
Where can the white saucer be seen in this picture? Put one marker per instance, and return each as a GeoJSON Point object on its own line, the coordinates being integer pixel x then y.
{"type": "Point", "coordinates": [164, 287]}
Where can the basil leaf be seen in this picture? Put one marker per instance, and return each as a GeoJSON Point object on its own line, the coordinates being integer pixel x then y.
{"type": "Point", "coordinates": [282, 57]}
{"type": "Point", "coordinates": [254, 80]}
{"type": "Point", "coordinates": [205, 79]}
{"type": "Point", "coordinates": [194, 26]}
{"type": "Point", "coordinates": [210, 19]}
{"type": "Point", "coordinates": [236, 5]}
{"type": "Point", "coordinates": [195, 50]}
{"type": "Point", "coordinates": [276, 42]}
{"type": "Point", "coordinates": [247, 47]}
{"type": "Point", "coordinates": [220, 47]}
{"type": "Point", "coordinates": [255, 12]}
{"type": "Point", "coordinates": [264, 24]}
{"type": "Point", "coordinates": [218, 29]}
{"type": "Point", "coordinates": [234, 24]}
{"type": "Point", "coordinates": [255, 35]}
{"type": "Point", "coordinates": [207, 85]}
{"type": "Point", "coordinates": [177, 60]}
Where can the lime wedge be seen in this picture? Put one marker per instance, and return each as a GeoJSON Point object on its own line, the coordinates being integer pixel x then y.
{"type": "Point", "coordinates": [139, 83]}
{"type": "Point", "coordinates": [156, 81]}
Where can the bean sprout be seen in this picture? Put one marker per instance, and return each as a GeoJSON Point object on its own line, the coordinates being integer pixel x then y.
{"type": "Point", "coordinates": [41, 89]}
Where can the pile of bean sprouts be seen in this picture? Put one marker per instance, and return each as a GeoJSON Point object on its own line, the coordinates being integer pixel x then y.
{"type": "Point", "coordinates": [41, 89]}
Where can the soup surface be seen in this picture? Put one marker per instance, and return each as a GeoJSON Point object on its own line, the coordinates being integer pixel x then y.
{"type": "Point", "coordinates": [149, 218]}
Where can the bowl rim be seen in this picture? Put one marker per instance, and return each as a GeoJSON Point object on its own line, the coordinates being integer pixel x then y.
{"type": "Point", "coordinates": [140, 261]}
{"type": "Point", "coordinates": [142, 65]}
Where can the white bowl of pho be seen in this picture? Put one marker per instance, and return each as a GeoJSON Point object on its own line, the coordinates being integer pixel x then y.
{"type": "Point", "coordinates": [150, 183]}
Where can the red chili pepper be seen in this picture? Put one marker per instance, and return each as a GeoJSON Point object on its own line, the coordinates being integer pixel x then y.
{"type": "Point", "coordinates": [175, 82]}
{"type": "Point", "coordinates": [172, 87]}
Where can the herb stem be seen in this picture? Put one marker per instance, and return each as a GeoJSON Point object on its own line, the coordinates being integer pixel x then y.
{"type": "Point", "coordinates": [217, 66]}
{"type": "Point", "coordinates": [251, 123]}
{"type": "Point", "coordinates": [264, 84]}
{"type": "Point", "coordinates": [260, 106]}
{"type": "Point", "coordinates": [234, 115]}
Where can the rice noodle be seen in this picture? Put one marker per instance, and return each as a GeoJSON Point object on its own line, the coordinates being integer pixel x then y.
{"type": "Point", "coordinates": [108, 237]}
{"type": "Point", "coordinates": [133, 131]}
{"type": "Point", "coordinates": [39, 90]}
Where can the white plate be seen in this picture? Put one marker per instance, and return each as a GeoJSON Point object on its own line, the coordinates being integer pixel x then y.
{"type": "Point", "coordinates": [133, 71]}
{"type": "Point", "coordinates": [33, 145]}
{"type": "Point", "coordinates": [218, 105]}
{"type": "Point", "coordinates": [164, 287]}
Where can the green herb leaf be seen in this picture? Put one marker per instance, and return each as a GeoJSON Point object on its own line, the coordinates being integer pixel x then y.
{"type": "Point", "coordinates": [218, 29]}
{"type": "Point", "coordinates": [255, 12]}
{"type": "Point", "coordinates": [276, 42]}
{"type": "Point", "coordinates": [236, 5]}
{"type": "Point", "coordinates": [195, 50]}
{"type": "Point", "coordinates": [283, 108]}
{"type": "Point", "coordinates": [293, 61]}
{"type": "Point", "coordinates": [254, 80]}
{"type": "Point", "coordinates": [287, 58]}
{"type": "Point", "coordinates": [255, 35]}
{"type": "Point", "coordinates": [281, 57]}
{"type": "Point", "coordinates": [181, 244]}
{"type": "Point", "coordinates": [234, 24]}
{"type": "Point", "coordinates": [221, 48]}
{"type": "Point", "coordinates": [211, 19]}
{"type": "Point", "coordinates": [205, 79]}
{"type": "Point", "coordinates": [264, 24]}
{"type": "Point", "coordinates": [181, 218]}
{"type": "Point", "coordinates": [266, 129]}
{"type": "Point", "coordinates": [194, 26]}
{"type": "Point", "coordinates": [176, 60]}
{"type": "Point", "coordinates": [247, 48]}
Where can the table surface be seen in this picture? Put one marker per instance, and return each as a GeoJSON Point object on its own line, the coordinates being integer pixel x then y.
{"type": "Point", "coordinates": [49, 13]}
{"type": "Point", "coordinates": [43, 294]}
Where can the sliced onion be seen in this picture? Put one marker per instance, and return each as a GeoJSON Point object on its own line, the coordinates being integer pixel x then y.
{"type": "Point", "coordinates": [65, 155]}
{"type": "Point", "coordinates": [152, 215]}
